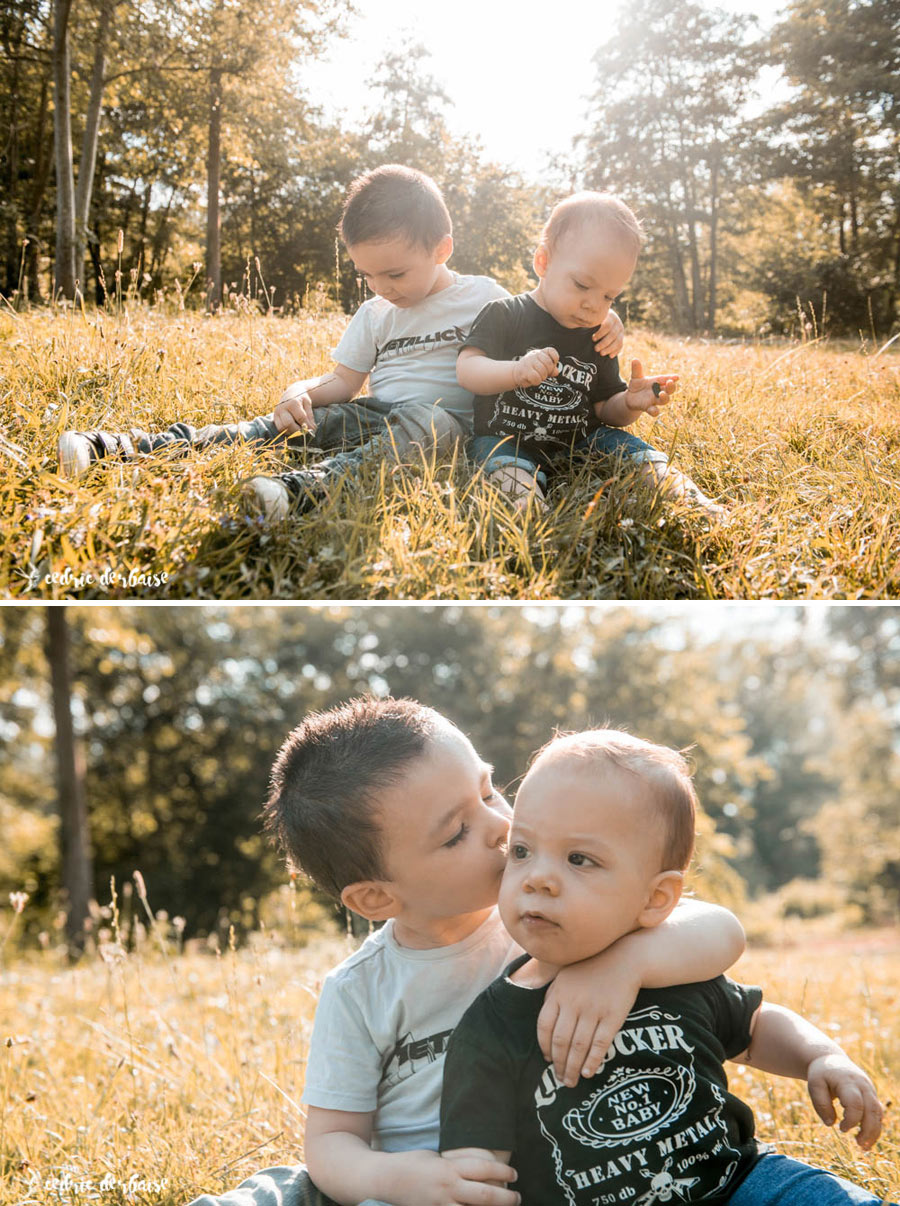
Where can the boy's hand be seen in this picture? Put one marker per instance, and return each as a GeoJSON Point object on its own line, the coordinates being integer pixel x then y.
{"type": "Point", "coordinates": [584, 1010]}
{"type": "Point", "coordinates": [609, 338]}
{"type": "Point", "coordinates": [294, 412]}
{"type": "Point", "coordinates": [466, 1177]}
{"type": "Point", "coordinates": [641, 394]}
{"type": "Point", "coordinates": [536, 366]}
{"type": "Point", "coordinates": [836, 1076]}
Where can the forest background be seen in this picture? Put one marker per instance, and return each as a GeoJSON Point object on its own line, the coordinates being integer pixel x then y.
{"type": "Point", "coordinates": [170, 717]}
{"type": "Point", "coordinates": [147, 145]}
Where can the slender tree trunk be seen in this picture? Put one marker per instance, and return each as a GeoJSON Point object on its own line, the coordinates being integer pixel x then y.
{"type": "Point", "coordinates": [77, 870]}
{"type": "Point", "coordinates": [713, 240]}
{"type": "Point", "coordinates": [91, 136]}
{"type": "Point", "coordinates": [65, 183]}
{"type": "Point", "coordinates": [32, 284]}
{"type": "Point", "coordinates": [13, 248]}
{"type": "Point", "coordinates": [213, 169]}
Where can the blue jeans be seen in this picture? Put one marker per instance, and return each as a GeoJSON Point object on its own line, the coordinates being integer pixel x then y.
{"type": "Point", "coordinates": [780, 1181]}
{"type": "Point", "coordinates": [494, 452]}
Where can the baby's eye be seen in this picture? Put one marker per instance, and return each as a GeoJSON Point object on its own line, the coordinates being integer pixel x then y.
{"type": "Point", "coordinates": [458, 836]}
{"type": "Point", "coordinates": [581, 860]}
{"type": "Point", "coordinates": [578, 285]}
{"type": "Point", "coordinates": [517, 850]}
{"type": "Point", "coordinates": [395, 276]}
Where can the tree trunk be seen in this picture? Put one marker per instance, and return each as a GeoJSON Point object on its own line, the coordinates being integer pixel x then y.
{"type": "Point", "coordinates": [65, 184]}
{"type": "Point", "coordinates": [213, 169]}
{"type": "Point", "coordinates": [13, 246]}
{"type": "Point", "coordinates": [713, 240]}
{"type": "Point", "coordinates": [91, 136]}
{"type": "Point", "coordinates": [77, 870]}
{"type": "Point", "coordinates": [31, 285]}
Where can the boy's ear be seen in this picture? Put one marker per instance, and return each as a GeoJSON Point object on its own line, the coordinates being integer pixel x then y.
{"type": "Point", "coordinates": [664, 895]}
{"type": "Point", "coordinates": [371, 898]}
{"type": "Point", "coordinates": [540, 261]}
{"type": "Point", "coordinates": [444, 250]}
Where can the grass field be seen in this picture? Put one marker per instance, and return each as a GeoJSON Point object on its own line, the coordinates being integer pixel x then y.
{"type": "Point", "coordinates": [800, 440]}
{"type": "Point", "coordinates": [138, 1079]}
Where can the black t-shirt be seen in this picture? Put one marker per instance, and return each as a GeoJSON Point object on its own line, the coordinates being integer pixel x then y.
{"type": "Point", "coordinates": [547, 418]}
{"type": "Point", "coordinates": [656, 1124]}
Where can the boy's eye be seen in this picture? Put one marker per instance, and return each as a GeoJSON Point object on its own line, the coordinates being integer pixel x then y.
{"type": "Point", "coordinates": [395, 276]}
{"type": "Point", "coordinates": [458, 836]}
{"type": "Point", "coordinates": [578, 285]}
{"type": "Point", "coordinates": [517, 850]}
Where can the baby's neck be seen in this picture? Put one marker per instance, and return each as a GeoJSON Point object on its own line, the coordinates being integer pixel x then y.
{"type": "Point", "coordinates": [535, 973]}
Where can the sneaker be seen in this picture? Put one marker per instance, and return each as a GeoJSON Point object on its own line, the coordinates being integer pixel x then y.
{"type": "Point", "coordinates": [78, 450]}
{"type": "Point", "coordinates": [278, 498]}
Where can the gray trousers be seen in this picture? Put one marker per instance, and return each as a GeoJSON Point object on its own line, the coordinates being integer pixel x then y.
{"type": "Point", "coordinates": [281, 1186]}
{"type": "Point", "coordinates": [350, 431]}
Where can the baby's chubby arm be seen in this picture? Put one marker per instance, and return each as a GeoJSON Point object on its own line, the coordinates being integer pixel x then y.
{"type": "Point", "coordinates": [588, 1002]}
{"type": "Point", "coordinates": [786, 1044]}
{"type": "Point", "coordinates": [294, 412]}
{"type": "Point", "coordinates": [644, 395]}
{"type": "Point", "coordinates": [481, 375]}
{"type": "Point", "coordinates": [343, 1166]}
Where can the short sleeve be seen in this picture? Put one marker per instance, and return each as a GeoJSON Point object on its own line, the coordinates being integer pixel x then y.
{"type": "Point", "coordinates": [343, 1070]}
{"type": "Point", "coordinates": [357, 348]}
{"type": "Point", "coordinates": [490, 330]}
{"type": "Point", "coordinates": [478, 1103]}
{"type": "Point", "coordinates": [609, 379]}
{"type": "Point", "coordinates": [734, 1006]}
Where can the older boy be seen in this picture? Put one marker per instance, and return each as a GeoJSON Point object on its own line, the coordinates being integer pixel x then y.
{"type": "Point", "coordinates": [387, 806]}
{"type": "Point", "coordinates": [398, 233]}
{"type": "Point", "coordinates": [542, 393]}
{"type": "Point", "coordinates": [602, 833]}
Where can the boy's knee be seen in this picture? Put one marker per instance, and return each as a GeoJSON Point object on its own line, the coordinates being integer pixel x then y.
{"type": "Point", "coordinates": [425, 426]}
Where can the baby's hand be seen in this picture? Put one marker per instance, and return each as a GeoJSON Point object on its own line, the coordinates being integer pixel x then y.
{"type": "Point", "coordinates": [648, 393]}
{"type": "Point", "coordinates": [294, 412]}
{"type": "Point", "coordinates": [837, 1076]}
{"type": "Point", "coordinates": [536, 366]}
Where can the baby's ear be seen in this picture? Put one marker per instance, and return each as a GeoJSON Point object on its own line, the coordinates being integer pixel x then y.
{"type": "Point", "coordinates": [540, 261]}
{"type": "Point", "coordinates": [664, 895]}
{"type": "Point", "coordinates": [371, 898]}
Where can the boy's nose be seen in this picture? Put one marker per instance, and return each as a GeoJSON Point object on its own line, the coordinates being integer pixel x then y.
{"type": "Point", "coordinates": [541, 879]}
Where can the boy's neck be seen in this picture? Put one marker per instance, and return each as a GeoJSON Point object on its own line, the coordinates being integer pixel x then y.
{"type": "Point", "coordinates": [443, 280]}
{"type": "Point", "coordinates": [424, 934]}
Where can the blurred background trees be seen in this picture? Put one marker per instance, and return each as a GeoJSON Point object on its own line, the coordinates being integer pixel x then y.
{"type": "Point", "coordinates": [792, 719]}
{"type": "Point", "coordinates": [763, 162]}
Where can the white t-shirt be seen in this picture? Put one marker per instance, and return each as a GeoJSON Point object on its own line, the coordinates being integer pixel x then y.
{"type": "Point", "coordinates": [384, 1018]}
{"type": "Point", "coordinates": [410, 353]}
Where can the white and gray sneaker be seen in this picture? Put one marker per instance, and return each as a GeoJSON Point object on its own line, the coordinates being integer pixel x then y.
{"type": "Point", "coordinates": [77, 450]}
{"type": "Point", "coordinates": [289, 494]}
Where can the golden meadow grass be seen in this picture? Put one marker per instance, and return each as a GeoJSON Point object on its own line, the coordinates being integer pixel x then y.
{"type": "Point", "coordinates": [161, 1078]}
{"type": "Point", "coordinates": [800, 439]}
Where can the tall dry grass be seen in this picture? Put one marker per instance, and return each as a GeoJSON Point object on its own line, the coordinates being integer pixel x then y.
{"type": "Point", "coordinates": [151, 1076]}
{"type": "Point", "coordinates": [799, 439]}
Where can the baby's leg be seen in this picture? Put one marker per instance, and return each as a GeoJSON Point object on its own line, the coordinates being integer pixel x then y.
{"type": "Point", "coordinates": [779, 1180]}
{"type": "Point", "coordinates": [504, 466]}
{"type": "Point", "coordinates": [654, 466]}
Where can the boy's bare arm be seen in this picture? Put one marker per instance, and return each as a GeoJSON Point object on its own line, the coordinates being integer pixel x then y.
{"type": "Point", "coordinates": [343, 1166]}
{"type": "Point", "coordinates": [478, 373]}
{"type": "Point", "coordinates": [294, 411]}
{"type": "Point", "coordinates": [588, 1002]}
{"type": "Point", "coordinates": [786, 1044]}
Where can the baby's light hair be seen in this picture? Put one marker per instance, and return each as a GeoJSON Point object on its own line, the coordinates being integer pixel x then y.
{"type": "Point", "coordinates": [603, 210]}
{"type": "Point", "coordinates": [665, 772]}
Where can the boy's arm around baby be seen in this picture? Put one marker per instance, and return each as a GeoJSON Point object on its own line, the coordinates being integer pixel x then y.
{"type": "Point", "coordinates": [588, 1002]}
{"type": "Point", "coordinates": [786, 1044]}
{"type": "Point", "coordinates": [343, 1165]}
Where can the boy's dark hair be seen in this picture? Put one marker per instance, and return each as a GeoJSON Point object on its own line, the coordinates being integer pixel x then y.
{"type": "Point", "coordinates": [326, 779]}
{"type": "Point", "coordinates": [395, 201]}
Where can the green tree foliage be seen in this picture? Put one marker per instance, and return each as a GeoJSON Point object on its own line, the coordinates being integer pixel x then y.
{"type": "Point", "coordinates": [838, 136]}
{"type": "Point", "coordinates": [667, 135]}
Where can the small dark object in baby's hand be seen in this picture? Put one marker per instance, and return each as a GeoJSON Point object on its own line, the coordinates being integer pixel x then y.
{"type": "Point", "coordinates": [657, 388]}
